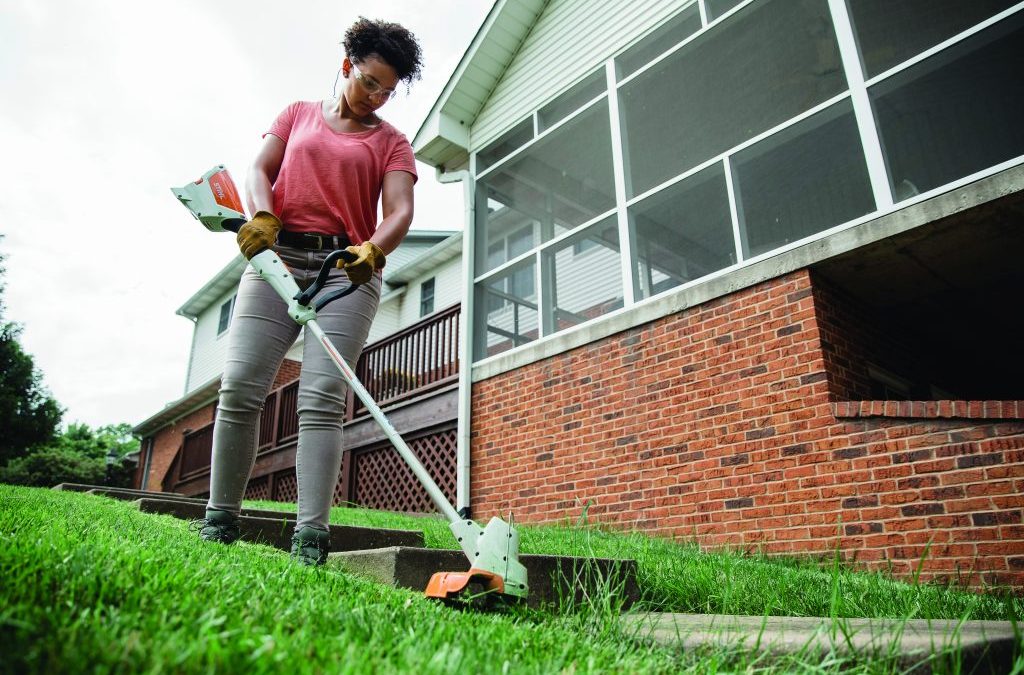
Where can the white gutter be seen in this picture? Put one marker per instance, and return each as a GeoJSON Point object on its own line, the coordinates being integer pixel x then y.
{"type": "Point", "coordinates": [462, 434]}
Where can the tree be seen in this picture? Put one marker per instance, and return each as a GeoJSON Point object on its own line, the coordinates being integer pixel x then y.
{"type": "Point", "coordinates": [29, 416]}
{"type": "Point", "coordinates": [79, 455]}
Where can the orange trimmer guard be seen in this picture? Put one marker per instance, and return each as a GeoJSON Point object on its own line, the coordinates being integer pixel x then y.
{"type": "Point", "coordinates": [449, 584]}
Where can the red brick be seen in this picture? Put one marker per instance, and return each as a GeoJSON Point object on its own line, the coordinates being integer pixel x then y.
{"type": "Point", "coordinates": [730, 374]}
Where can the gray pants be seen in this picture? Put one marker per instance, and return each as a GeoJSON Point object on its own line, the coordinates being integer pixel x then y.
{"type": "Point", "coordinates": [261, 333]}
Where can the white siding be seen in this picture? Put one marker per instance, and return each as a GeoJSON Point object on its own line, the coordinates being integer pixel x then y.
{"type": "Point", "coordinates": [406, 251]}
{"type": "Point", "coordinates": [386, 321]}
{"type": "Point", "coordinates": [208, 348]}
{"type": "Point", "coordinates": [571, 38]}
{"type": "Point", "coordinates": [447, 290]}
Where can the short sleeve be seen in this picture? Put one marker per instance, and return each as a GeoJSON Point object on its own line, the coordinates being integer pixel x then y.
{"type": "Point", "coordinates": [282, 126]}
{"type": "Point", "coordinates": [401, 157]}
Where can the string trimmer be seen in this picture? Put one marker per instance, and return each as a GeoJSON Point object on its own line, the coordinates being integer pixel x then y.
{"type": "Point", "coordinates": [493, 551]}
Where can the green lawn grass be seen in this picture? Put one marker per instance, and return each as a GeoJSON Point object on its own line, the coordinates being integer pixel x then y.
{"type": "Point", "coordinates": [89, 584]}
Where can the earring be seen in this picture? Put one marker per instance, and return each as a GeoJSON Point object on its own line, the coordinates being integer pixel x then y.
{"type": "Point", "coordinates": [334, 90]}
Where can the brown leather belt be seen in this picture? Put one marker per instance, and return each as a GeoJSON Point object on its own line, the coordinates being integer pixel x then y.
{"type": "Point", "coordinates": [312, 241]}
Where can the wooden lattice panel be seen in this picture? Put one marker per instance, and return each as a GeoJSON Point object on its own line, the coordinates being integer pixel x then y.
{"type": "Point", "coordinates": [339, 494]}
{"type": "Point", "coordinates": [258, 488]}
{"type": "Point", "coordinates": [286, 487]}
{"type": "Point", "coordinates": [382, 480]}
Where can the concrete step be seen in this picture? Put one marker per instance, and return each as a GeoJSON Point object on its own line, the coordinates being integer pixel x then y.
{"type": "Point", "coordinates": [277, 527]}
{"type": "Point", "coordinates": [190, 510]}
{"type": "Point", "coordinates": [79, 487]}
{"type": "Point", "coordinates": [552, 579]}
{"type": "Point", "coordinates": [132, 495]}
{"type": "Point", "coordinates": [919, 644]}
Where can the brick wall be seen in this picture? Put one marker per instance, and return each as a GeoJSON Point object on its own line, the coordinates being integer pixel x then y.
{"type": "Point", "coordinates": [720, 424]}
{"type": "Point", "coordinates": [168, 439]}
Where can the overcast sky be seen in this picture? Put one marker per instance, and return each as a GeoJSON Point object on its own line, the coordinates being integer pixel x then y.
{"type": "Point", "coordinates": [107, 104]}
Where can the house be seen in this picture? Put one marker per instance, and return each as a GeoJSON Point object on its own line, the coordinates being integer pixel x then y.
{"type": "Point", "coordinates": [747, 273]}
{"type": "Point", "coordinates": [409, 365]}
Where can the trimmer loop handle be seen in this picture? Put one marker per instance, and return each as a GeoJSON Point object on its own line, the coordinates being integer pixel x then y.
{"type": "Point", "coordinates": [330, 262]}
{"type": "Point", "coordinates": [306, 296]}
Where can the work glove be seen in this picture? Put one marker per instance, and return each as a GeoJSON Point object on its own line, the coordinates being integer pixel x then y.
{"type": "Point", "coordinates": [370, 258]}
{"type": "Point", "coordinates": [258, 234]}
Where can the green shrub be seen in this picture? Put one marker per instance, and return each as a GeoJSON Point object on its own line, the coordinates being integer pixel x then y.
{"type": "Point", "coordinates": [49, 466]}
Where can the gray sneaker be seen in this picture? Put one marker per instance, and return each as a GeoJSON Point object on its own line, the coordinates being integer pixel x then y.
{"type": "Point", "coordinates": [310, 546]}
{"type": "Point", "coordinates": [219, 526]}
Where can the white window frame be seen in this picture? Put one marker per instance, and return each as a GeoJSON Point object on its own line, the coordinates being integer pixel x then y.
{"type": "Point", "coordinates": [653, 307]}
{"type": "Point", "coordinates": [230, 305]}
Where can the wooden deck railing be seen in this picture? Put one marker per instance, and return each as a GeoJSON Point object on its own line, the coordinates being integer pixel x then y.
{"type": "Point", "coordinates": [411, 362]}
{"type": "Point", "coordinates": [404, 365]}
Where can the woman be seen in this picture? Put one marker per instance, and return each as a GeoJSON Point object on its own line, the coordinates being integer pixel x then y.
{"type": "Point", "coordinates": [314, 188]}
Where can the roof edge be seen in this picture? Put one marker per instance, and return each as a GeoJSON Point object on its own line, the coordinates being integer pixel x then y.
{"type": "Point", "coordinates": [235, 268]}
{"type": "Point", "coordinates": [175, 410]}
{"type": "Point", "coordinates": [438, 134]}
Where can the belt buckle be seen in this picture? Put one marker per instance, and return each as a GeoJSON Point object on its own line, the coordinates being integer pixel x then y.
{"type": "Point", "coordinates": [319, 241]}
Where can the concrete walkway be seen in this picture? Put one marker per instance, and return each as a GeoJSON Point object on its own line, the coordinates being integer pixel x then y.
{"type": "Point", "coordinates": [922, 645]}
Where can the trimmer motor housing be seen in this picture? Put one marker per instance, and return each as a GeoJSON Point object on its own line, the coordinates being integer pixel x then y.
{"type": "Point", "coordinates": [214, 201]}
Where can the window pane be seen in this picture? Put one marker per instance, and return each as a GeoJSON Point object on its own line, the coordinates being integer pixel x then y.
{"type": "Point", "coordinates": [890, 32]}
{"type": "Point", "coordinates": [717, 8]}
{"type": "Point", "coordinates": [582, 276]}
{"type": "Point", "coordinates": [666, 36]}
{"type": "Point", "coordinates": [682, 233]}
{"type": "Point", "coordinates": [511, 140]}
{"type": "Point", "coordinates": [509, 302]}
{"type": "Point", "coordinates": [770, 61]}
{"type": "Point", "coordinates": [427, 297]}
{"type": "Point", "coordinates": [955, 113]}
{"type": "Point", "coordinates": [560, 182]}
{"type": "Point", "coordinates": [572, 100]}
{"type": "Point", "coordinates": [803, 180]}
{"type": "Point", "coordinates": [225, 316]}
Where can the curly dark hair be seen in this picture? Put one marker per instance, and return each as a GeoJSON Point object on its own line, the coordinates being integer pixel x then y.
{"type": "Point", "coordinates": [392, 42]}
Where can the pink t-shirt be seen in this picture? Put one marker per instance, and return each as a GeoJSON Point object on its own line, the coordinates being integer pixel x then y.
{"type": "Point", "coordinates": [330, 182]}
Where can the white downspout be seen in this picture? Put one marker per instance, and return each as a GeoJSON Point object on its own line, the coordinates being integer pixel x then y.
{"type": "Point", "coordinates": [144, 483]}
{"type": "Point", "coordinates": [466, 346]}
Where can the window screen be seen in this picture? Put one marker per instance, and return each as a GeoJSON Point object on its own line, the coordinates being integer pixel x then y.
{"type": "Point", "coordinates": [562, 181]}
{"type": "Point", "coordinates": [586, 284]}
{"type": "Point", "coordinates": [892, 31]}
{"type": "Point", "coordinates": [955, 113]}
{"type": "Point", "coordinates": [663, 38]}
{"type": "Point", "coordinates": [682, 233]}
{"type": "Point", "coordinates": [505, 144]}
{"type": "Point", "coordinates": [803, 180]}
{"type": "Point", "coordinates": [769, 62]}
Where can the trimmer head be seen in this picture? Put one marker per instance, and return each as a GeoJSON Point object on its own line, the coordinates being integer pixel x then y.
{"type": "Point", "coordinates": [493, 552]}
{"type": "Point", "coordinates": [214, 201]}
{"type": "Point", "coordinates": [448, 585]}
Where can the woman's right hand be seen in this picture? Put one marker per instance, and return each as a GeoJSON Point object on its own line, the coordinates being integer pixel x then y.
{"type": "Point", "coordinates": [258, 234]}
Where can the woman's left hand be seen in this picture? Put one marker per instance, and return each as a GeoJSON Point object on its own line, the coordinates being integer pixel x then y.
{"type": "Point", "coordinates": [370, 258]}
